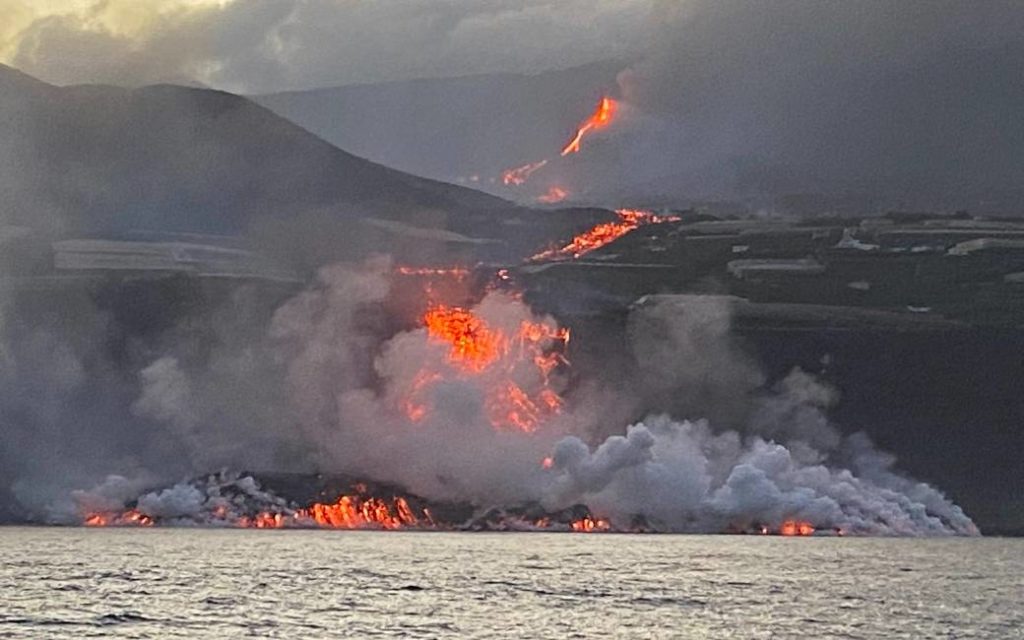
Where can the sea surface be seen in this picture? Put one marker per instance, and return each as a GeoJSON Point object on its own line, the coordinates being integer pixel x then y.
{"type": "Point", "coordinates": [202, 583]}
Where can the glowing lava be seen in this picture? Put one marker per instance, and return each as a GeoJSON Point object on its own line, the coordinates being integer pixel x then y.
{"type": "Point", "coordinates": [480, 351]}
{"type": "Point", "coordinates": [519, 175]}
{"type": "Point", "coordinates": [553, 195]}
{"type": "Point", "coordinates": [454, 272]}
{"type": "Point", "coordinates": [590, 525]}
{"type": "Point", "coordinates": [796, 528]}
{"type": "Point", "coordinates": [601, 118]}
{"type": "Point", "coordinates": [355, 511]}
{"type": "Point", "coordinates": [360, 512]}
{"type": "Point", "coordinates": [603, 234]}
{"type": "Point", "coordinates": [130, 518]}
{"type": "Point", "coordinates": [473, 345]}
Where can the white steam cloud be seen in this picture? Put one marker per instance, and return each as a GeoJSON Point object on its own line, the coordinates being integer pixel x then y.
{"type": "Point", "coordinates": [789, 464]}
{"type": "Point", "coordinates": [324, 388]}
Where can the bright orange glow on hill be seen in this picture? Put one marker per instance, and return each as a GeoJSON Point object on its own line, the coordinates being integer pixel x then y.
{"type": "Point", "coordinates": [601, 118]}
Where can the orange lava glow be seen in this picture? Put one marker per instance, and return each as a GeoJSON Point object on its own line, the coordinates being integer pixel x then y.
{"type": "Point", "coordinates": [359, 512]}
{"type": "Point", "coordinates": [454, 272]}
{"type": "Point", "coordinates": [348, 512]}
{"type": "Point", "coordinates": [590, 525]}
{"type": "Point", "coordinates": [603, 116]}
{"type": "Point", "coordinates": [477, 349]}
{"type": "Point", "coordinates": [473, 346]}
{"type": "Point", "coordinates": [130, 518]}
{"type": "Point", "coordinates": [519, 175]}
{"type": "Point", "coordinates": [600, 119]}
{"type": "Point", "coordinates": [603, 234]}
{"type": "Point", "coordinates": [796, 528]}
{"type": "Point", "coordinates": [553, 196]}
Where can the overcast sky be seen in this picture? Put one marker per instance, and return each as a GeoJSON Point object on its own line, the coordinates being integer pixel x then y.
{"type": "Point", "coordinates": [271, 45]}
{"type": "Point", "coordinates": [260, 46]}
{"type": "Point", "coordinates": [777, 95]}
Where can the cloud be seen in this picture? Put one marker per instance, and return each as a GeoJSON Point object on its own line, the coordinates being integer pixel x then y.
{"type": "Point", "coordinates": [282, 44]}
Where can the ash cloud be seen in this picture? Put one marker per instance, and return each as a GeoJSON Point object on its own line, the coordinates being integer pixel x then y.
{"type": "Point", "coordinates": [906, 103]}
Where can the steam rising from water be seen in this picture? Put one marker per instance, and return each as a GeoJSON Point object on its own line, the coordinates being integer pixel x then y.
{"type": "Point", "coordinates": [345, 378]}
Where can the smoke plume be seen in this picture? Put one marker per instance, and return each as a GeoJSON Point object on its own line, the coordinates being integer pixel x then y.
{"type": "Point", "coordinates": [348, 382]}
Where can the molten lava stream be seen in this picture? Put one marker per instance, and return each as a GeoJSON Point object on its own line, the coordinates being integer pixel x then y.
{"type": "Point", "coordinates": [796, 528]}
{"type": "Point", "coordinates": [130, 518]}
{"type": "Point", "coordinates": [591, 525]}
{"type": "Point", "coordinates": [478, 350]}
{"type": "Point", "coordinates": [454, 272]}
{"type": "Point", "coordinates": [603, 234]}
{"type": "Point", "coordinates": [601, 118]}
{"type": "Point", "coordinates": [519, 175]}
{"type": "Point", "coordinates": [553, 195]}
{"type": "Point", "coordinates": [473, 346]}
{"type": "Point", "coordinates": [355, 512]}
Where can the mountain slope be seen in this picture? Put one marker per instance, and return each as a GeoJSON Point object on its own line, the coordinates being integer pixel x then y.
{"type": "Point", "coordinates": [97, 159]}
{"type": "Point", "coordinates": [453, 127]}
{"type": "Point", "coordinates": [936, 133]}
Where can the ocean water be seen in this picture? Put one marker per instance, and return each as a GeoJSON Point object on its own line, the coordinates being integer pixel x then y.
{"type": "Point", "coordinates": [183, 583]}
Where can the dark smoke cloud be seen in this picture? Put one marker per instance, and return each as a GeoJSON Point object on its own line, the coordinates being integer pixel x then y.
{"type": "Point", "coordinates": [883, 98]}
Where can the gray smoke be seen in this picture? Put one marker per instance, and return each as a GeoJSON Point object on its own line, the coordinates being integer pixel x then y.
{"type": "Point", "coordinates": [786, 462]}
{"type": "Point", "coordinates": [325, 386]}
{"type": "Point", "coordinates": [886, 103]}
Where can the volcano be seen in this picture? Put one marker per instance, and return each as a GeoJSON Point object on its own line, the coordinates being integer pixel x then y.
{"type": "Point", "coordinates": [206, 352]}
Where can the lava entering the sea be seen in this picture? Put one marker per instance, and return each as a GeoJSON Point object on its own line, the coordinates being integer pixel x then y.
{"type": "Point", "coordinates": [796, 528]}
{"type": "Point", "coordinates": [358, 509]}
{"type": "Point", "coordinates": [130, 518]}
{"type": "Point", "coordinates": [590, 525]}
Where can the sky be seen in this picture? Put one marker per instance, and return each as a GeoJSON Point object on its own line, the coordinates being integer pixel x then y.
{"type": "Point", "coordinates": [748, 96]}
{"type": "Point", "coordinates": [255, 46]}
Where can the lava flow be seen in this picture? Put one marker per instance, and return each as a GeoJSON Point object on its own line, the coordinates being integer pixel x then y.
{"type": "Point", "coordinates": [473, 346]}
{"type": "Point", "coordinates": [454, 272]}
{"type": "Point", "coordinates": [553, 195]}
{"type": "Point", "coordinates": [796, 528]}
{"type": "Point", "coordinates": [519, 175]}
{"type": "Point", "coordinates": [601, 118]}
{"type": "Point", "coordinates": [355, 511]}
{"type": "Point", "coordinates": [603, 234]}
{"type": "Point", "coordinates": [478, 349]}
{"type": "Point", "coordinates": [130, 518]}
{"type": "Point", "coordinates": [359, 512]}
{"type": "Point", "coordinates": [590, 525]}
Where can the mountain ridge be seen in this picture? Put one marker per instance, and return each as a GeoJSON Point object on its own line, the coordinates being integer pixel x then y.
{"type": "Point", "coordinates": [183, 159]}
